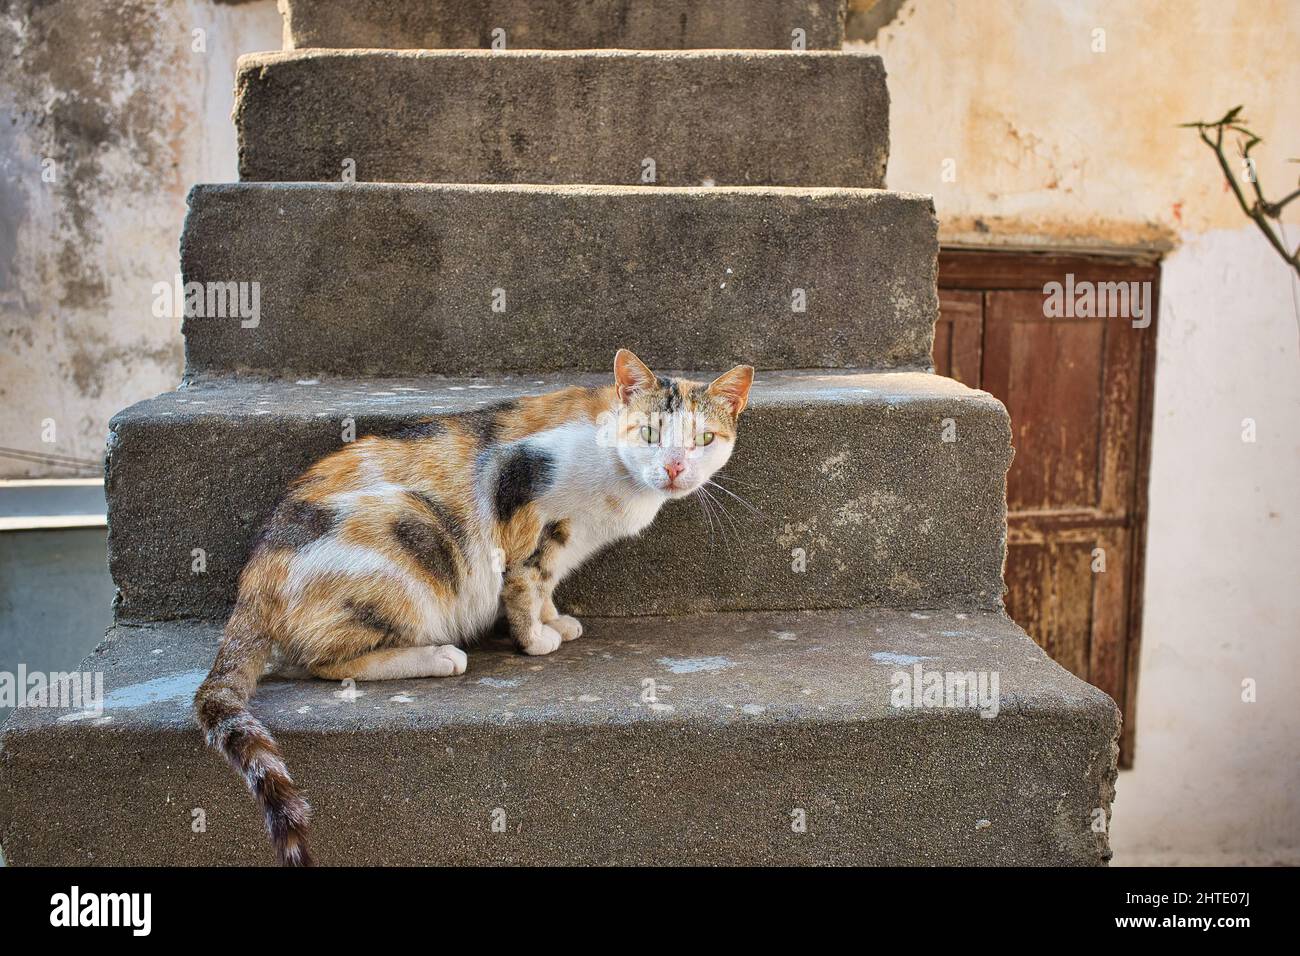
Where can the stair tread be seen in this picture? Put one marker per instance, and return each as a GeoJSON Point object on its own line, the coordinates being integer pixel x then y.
{"type": "Point", "coordinates": [667, 24]}
{"type": "Point", "coordinates": [721, 54]}
{"type": "Point", "coordinates": [402, 397]}
{"type": "Point", "coordinates": [752, 715]}
{"type": "Point", "coordinates": [724, 667]}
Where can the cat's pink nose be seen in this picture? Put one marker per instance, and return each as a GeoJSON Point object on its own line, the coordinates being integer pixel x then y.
{"type": "Point", "coordinates": [674, 468]}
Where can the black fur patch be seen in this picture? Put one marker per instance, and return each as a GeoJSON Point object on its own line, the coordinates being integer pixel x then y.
{"type": "Point", "coordinates": [296, 524]}
{"type": "Point", "coordinates": [429, 428]}
{"type": "Point", "coordinates": [430, 547]}
{"type": "Point", "coordinates": [440, 513]}
{"type": "Point", "coordinates": [553, 537]}
{"type": "Point", "coordinates": [673, 398]}
{"type": "Point", "coordinates": [485, 424]}
{"type": "Point", "coordinates": [372, 618]}
{"type": "Point", "coordinates": [524, 474]}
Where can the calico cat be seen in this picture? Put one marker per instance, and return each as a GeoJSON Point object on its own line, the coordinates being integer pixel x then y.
{"type": "Point", "coordinates": [387, 557]}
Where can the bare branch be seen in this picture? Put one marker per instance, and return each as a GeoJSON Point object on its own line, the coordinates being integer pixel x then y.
{"type": "Point", "coordinates": [1262, 212]}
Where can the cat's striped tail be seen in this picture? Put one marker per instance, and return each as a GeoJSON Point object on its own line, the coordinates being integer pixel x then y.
{"type": "Point", "coordinates": [221, 705]}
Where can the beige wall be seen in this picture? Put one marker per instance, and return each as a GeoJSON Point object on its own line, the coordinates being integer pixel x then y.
{"type": "Point", "coordinates": [1054, 143]}
{"type": "Point", "coordinates": [1057, 146]}
{"type": "Point", "coordinates": [132, 116]}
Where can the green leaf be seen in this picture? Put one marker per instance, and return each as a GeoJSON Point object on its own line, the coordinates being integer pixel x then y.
{"type": "Point", "coordinates": [1230, 116]}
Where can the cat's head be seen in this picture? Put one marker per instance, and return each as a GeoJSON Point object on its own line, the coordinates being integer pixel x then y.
{"type": "Point", "coordinates": [673, 434]}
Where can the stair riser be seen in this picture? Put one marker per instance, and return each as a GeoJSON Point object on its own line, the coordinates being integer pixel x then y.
{"type": "Point", "coordinates": [864, 504]}
{"type": "Point", "coordinates": [402, 280]}
{"type": "Point", "coordinates": [743, 118]}
{"type": "Point", "coordinates": [562, 24]}
{"type": "Point", "coordinates": [901, 795]}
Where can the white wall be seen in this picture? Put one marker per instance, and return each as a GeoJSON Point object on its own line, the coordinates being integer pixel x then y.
{"type": "Point", "coordinates": [1217, 780]}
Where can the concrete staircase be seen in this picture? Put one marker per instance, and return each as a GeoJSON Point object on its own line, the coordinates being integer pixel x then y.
{"type": "Point", "coordinates": [765, 701]}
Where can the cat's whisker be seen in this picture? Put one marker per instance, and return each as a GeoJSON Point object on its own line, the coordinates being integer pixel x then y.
{"type": "Point", "coordinates": [707, 517]}
{"type": "Point", "coordinates": [752, 510]}
{"type": "Point", "coordinates": [707, 507]}
{"type": "Point", "coordinates": [734, 480]}
{"type": "Point", "coordinates": [722, 530]}
{"type": "Point", "coordinates": [729, 524]}
{"type": "Point", "coordinates": [758, 512]}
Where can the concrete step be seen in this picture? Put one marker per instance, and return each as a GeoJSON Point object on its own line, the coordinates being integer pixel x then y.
{"type": "Point", "coordinates": [713, 739]}
{"type": "Point", "coordinates": [373, 279]}
{"type": "Point", "coordinates": [849, 470]}
{"type": "Point", "coordinates": [751, 118]}
{"type": "Point", "coordinates": [563, 24]}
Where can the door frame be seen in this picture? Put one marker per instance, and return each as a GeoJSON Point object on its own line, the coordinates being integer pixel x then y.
{"type": "Point", "coordinates": [989, 270]}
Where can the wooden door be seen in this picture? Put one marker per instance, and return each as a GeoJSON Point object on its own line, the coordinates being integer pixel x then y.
{"type": "Point", "coordinates": [1078, 389]}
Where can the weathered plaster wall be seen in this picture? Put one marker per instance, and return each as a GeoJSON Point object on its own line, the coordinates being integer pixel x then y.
{"type": "Point", "coordinates": [1055, 145]}
{"type": "Point", "coordinates": [113, 99]}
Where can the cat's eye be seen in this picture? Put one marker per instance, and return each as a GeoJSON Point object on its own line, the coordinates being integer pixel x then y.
{"type": "Point", "coordinates": [649, 434]}
{"type": "Point", "coordinates": [704, 438]}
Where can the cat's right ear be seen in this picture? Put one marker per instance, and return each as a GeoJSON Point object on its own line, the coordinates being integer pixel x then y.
{"type": "Point", "coordinates": [631, 375]}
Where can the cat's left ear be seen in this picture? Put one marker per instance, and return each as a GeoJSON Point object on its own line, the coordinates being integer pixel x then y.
{"type": "Point", "coordinates": [732, 388]}
{"type": "Point", "coordinates": [631, 375]}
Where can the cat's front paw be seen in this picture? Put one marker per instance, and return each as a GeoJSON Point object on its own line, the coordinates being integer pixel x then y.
{"type": "Point", "coordinates": [542, 639]}
{"type": "Point", "coordinates": [570, 628]}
